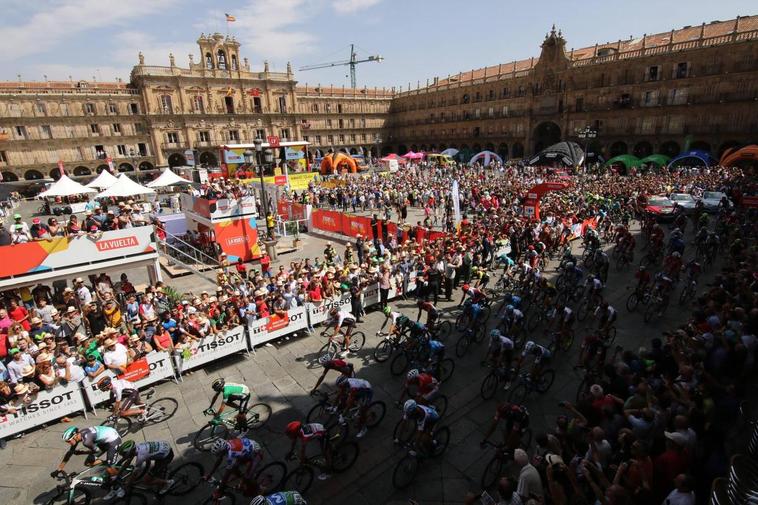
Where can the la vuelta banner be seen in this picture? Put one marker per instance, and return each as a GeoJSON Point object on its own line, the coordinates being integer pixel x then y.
{"type": "Point", "coordinates": [154, 367]}
{"type": "Point", "coordinates": [356, 225]}
{"type": "Point", "coordinates": [275, 326]}
{"type": "Point", "coordinates": [327, 220]}
{"type": "Point", "coordinates": [238, 238]}
{"type": "Point", "coordinates": [211, 348]}
{"type": "Point", "coordinates": [44, 407]}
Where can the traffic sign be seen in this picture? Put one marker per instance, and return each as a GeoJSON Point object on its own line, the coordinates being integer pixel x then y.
{"type": "Point", "coordinates": [273, 140]}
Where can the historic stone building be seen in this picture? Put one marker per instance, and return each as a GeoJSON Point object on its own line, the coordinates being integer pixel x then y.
{"type": "Point", "coordinates": [695, 87]}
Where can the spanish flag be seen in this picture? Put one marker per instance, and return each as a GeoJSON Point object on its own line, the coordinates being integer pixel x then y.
{"type": "Point", "coordinates": [230, 18]}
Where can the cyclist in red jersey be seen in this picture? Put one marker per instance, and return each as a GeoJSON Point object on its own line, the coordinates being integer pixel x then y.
{"type": "Point", "coordinates": [425, 385]}
{"type": "Point", "coordinates": [307, 433]}
{"type": "Point", "coordinates": [341, 366]}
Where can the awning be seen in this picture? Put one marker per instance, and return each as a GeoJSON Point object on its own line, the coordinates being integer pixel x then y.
{"type": "Point", "coordinates": [104, 180]}
{"type": "Point", "coordinates": [124, 187]}
{"type": "Point", "coordinates": [627, 160]}
{"type": "Point", "coordinates": [748, 153]}
{"type": "Point", "coordinates": [702, 157]}
{"type": "Point", "coordinates": [660, 160]}
{"type": "Point", "coordinates": [487, 157]}
{"type": "Point", "coordinates": [569, 153]}
{"type": "Point", "coordinates": [66, 186]}
{"type": "Point", "coordinates": [167, 178]}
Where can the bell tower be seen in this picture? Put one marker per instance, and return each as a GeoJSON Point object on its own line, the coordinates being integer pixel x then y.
{"type": "Point", "coordinates": [219, 52]}
{"type": "Point", "coordinates": [553, 51]}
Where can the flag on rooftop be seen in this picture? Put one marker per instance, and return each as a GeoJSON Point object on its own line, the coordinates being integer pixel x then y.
{"type": "Point", "coordinates": [230, 18]}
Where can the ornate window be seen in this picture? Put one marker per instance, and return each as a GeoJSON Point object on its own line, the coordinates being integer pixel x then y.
{"type": "Point", "coordinates": [208, 61]}
{"type": "Point", "coordinates": [221, 58]}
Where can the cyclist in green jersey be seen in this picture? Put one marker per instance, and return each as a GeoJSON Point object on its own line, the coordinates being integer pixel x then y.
{"type": "Point", "coordinates": [234, 395]}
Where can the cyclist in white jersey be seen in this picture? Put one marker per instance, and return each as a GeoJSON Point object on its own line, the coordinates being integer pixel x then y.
{"type": "Point", "coordinates": [124, 394]}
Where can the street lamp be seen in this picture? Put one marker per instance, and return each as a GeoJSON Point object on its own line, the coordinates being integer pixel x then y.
{"type": "Point", "coordinates": [586, 134]}
{"type": "Point", "coordinates": [377, 141]}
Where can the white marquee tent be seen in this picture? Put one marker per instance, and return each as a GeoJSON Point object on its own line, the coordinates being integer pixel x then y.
{"type": "Point", "coordinates": [104, 180]}
{"type": "Point", "coordinates": [167, 178]}
{"type": "Point", "coordinates": [123, 187]}
{"type": "Point", "coordinates": [450, 151]}
{"type": "Point", "coordinates": [486, 157]}
{"type": "Point", "coordinates": [66, 186]}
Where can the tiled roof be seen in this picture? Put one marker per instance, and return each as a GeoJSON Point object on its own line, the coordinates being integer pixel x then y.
{"type": "Point", "coordinates": [327, 91]}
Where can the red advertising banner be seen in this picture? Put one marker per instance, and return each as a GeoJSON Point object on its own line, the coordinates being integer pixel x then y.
{"type": "Point", "coordinates": [354, 225]}
{"type": "Point", "coordinates": [277, 322]}
{"type": "Point", "coordinates": [238, 238]}
{"type": "Point", "coordinates": [434, 235]}
{"type": "Point", "coordinates": [282, 208]}
{"type": "Point", "coordinates": [280, 180]}
{"type": "Point", "coordinates": [137, 370]}
{"type": "Point", "coordinates": [297, 212]}
{"type": "Point", "coordinates": [273, 141]}
{"type": "Point", "coordinates": [327, 220]}
{"type": "Point", "coordinates": [420, 235]}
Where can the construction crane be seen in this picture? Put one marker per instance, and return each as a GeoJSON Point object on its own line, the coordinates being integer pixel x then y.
{"type": "Point", "coordinates": [352, 62]}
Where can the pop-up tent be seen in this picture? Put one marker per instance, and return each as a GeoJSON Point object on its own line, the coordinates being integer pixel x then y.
{"type": "Point", "coordinates": [410, 155]}
{"type": "Point", "coordinates": [450, 151]}
{"type": "Point", "coordinates": [167, 178]}
{"type": "Point", "coordinates": [733, 156]}
{"type": "Point", "coordinates": [66, 186]}
{"type": "Point", "coordinates": [694, 157]}
{"type": "Point", "coordinates": [627, 160]}
{"type": "Point", "coordinates": [104, 180]}
{"type": "Point", "coordinates": [659, 160]}
{"type": "Point", "coordinates": [567, 153]}
{"type": "Point", "coordinates": [485, 157]}
{"type": "Point", "coordinates": [124, 187]}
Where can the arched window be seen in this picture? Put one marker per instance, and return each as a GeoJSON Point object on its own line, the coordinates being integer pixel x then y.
{"type": "Point", "coordinates": [197, 104]}
{"type": "Point", "coordinates": [208, 60]}
{"type": "Point", "coordinates": [221, 58]}
{"type": "Point", "coordinates": [166, 104]}
{"type": "Point", "coordinates": [234, 62]}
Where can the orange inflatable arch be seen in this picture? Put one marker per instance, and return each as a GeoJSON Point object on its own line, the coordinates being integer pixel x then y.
{"type": "Point", "coordinates": [333, 164]}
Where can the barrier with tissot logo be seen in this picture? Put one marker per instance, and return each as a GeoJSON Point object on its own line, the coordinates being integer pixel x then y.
{"type": "Point", "coordinates": [211, 348]}
{"type": "Point", "coordinates": [275, 326]}
{"type": "Point", "coordinates": [319, 312]}
{"type": "Point", "coordinates": [42, 408]}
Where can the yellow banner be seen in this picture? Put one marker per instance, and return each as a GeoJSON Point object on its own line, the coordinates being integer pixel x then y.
{"type": "Point", "coordinates": [298, 181]}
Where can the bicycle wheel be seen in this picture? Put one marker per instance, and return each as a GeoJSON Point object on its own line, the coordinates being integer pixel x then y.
{"type": "Point", "coordinates": [405, 472]}
{"type": "Point", "coordinates": [484, 315]}
{"type": "Point", "coordinates": [399, 364]}
{"type": "Point", "coordinates": [441, 436]}
{"type": "Point", "coordinates": [447, 367]}
{"type": "Point", "coordinates": [318, 414]}
{"type": "Point", "coordinates": [383, 351]}
{"type": "Point", "coordinates": [650, 311]}
{"type": "Point", "coordinates": [547, 377]}
{"type": "Point", "coordinates": [375, 413]}
{"type": "Point", "coordinates": [685, 296]}
{"type": "Point", "coordinates": [583, 390]}
{"type": "Point", "coordinates": [489, 386]}
{"type": "Point", "coordinates": [329, 349]}
{"type": "Point", "coordinates": [257, 416]}
{"type": "Point", "coordinates": [566, 342]}
{"type": "Point", "coordinates": [123, 425]}
{"type": "Point", "coordinates": [186, 478]}
{"type": "Point", "coordinates": [161, 410]}
{"type": "Point", "coordinates": [462, 321]}
{"type": "Point", "coordinates": [271, 477]}
{"type": "Point", "coordinates": [443, 330]}
{"type": "Point", "coordinates": [300, 479]}
{"type": "Point", "coordinates": [479, 334]}
{"type": "Point", "coordinates": [344, 456]}
{"type": "Point", "coordinates": [492, 472]}
{"type": "Point", "coordinates": [357, 341]}
{"type": "Point", "coordinates": [462, 345]}
{"type": "Point", "coordinates": [404, 431]}
{"type": "Point", "coordinates": [79, 496]}
{"type": "Point", "coordinates": [131, 499]}
{"type": "Point", "coordinates": [534, 320]}
{"type": "Point", "coordinates": [632, 302]}
{"type": "Point", "coordinates": [440, 404]}
{"type": "Point", "coordinates": [225, 499]}
{"type": "Point", "coordinates": [583, 310]}
{"type": "Point", "coordinates": [207, 435]}
{"type": "Point", "coordinates": [518, 394]}
{"type": "Point", "coordinates": [552, 346]}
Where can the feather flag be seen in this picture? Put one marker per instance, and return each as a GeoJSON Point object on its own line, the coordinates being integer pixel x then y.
{"type": "Point", "coordinates": [230, 18]}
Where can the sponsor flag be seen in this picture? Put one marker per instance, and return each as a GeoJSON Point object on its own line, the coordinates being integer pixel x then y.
{"type": "Point", "coordinates": [456, 202]}
{"type": "Point", "coordinates": [230, 18]}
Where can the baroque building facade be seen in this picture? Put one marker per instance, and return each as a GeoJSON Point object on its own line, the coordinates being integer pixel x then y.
{"type": "Point", "coordinates": [691, 88]}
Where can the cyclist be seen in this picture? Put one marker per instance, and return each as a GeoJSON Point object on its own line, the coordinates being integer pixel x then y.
{"type": "Point", "coordinates": [352, 391]}
{"type": "Point", "coordinates": [512, 300]}
{"type": "Point", "coordinates": [234, 395]}
{"type": "Point", "coordinates": [643, 279]}
{"type": "Point", "coordinates": [432, 312]}
{"type": "Point", "coordinates": [516, 419]}
{"type": "Point", "coordinates": [425, 417]}
{"type": "Point", "coordinates": [308, 433]}
{"type": "Point", "coordinates": [627, 245]}
{"type": "Point", "coordinates": [591, 239]}
{"type": "Point", "coordinates": [124, 394]}
{"type": "Point", "coordinates": [692, 269]}
{"type": "Point", "coordinates": [541, 357]}
{"type": "Point", "coordinates": [574, 274]}
{"type": "Point", "coordinates": [98, 440]}
{"type": "Point", "coordinates": [481, 276]}
{"type": "Point", "coordinates": [607, 315]}
{"type": "Point", "coordinates": [280, 498]}
{"type": "Point", "coordinates": [512, 319]}
{"type": "Point", "coordinates": [340, 319]}
{"type": "Point", "coordinates": [500, 352]}
{"type": "Point", "coordinates": [601, 263]}
{"type": "Point", "coordinates": [436, 352]}
{"type": "Point", "coordinates": [712, 245]}
{"type": "Point", "coordinates": [676, 242]}
{"type": "Point", "coordinates": [662, 287]}
{"type": "Point", "coordinates": [565, 320]}
{"type": "Point", "coordinates": [532, 256]}
{"type": "Point", "coordinates": [549, 291]}
{"type": "Point", "coordinates": [156, 455]}
{"type": "Point", "coordinates": [396, 321]}
{"type": "Point", "coordinates": [594, 288]}
{"type": "Point", "coordinates": [425, 385]}
{"type": "Point", "coordinates": [477, 296]}
{"type": "Point", "coordinates": [672, 265]}
{"type": "Point", "coordinates": [242, 455]}
{"type": "Point", "coordinates": [339, 365]}
{"type": "Point", "coordinates": [506, 262]}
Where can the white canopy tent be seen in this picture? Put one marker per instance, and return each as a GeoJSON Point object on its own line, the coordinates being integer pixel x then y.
{"type": "Point", "coordinates": [450, 151]}
{"type": "Point", "coordinates": [167, 178]}
{"type": "Point", "coordinates": [104, 180]}
{"type": "Point", "coordinates": [486, 158]}
{"type": "Point", "coordinates": [66, 186]}
{"type": "Point", "coordinates": [123, 187]}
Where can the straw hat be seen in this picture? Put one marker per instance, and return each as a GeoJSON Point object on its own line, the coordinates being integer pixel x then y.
{"type": "Point", "coordinates": [43, 357]}
{"type": "Point", "coordinates": [80, 337]}
{"type": "Point", "coordinates": [27, 371]}
{"type": "Point", "coordinates": [21, 389]}
{"type": "Point", "coordinates": [110, 331]}
{"type": "Point", "coordinates": [134, 338]}
{"type": "Point", "coordinates": [109, 342]}
{"type": "Point", "coordinates": [36, 320]}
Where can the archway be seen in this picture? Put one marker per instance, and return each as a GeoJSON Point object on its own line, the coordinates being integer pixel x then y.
{"type": "Point", "coordinates": [545, 135]}
{"type": "Point", "coordinates": [433, 148]}
{"type": "Point", "coordinates": [9, 177]}
{"type": "Point", "coordinates": [125, 167]}
{"type": "Point", "coordinates": [81, 171]}
{"type": "Point", "coordinates": [146, 165]}
{"type": "Point", "coordinates": [33, 175]}
{"type": "Point", "coordinates": [208, 159]}
{"type": "Point", "coordinates": [729, 144]}
{"type": "Point", "coordinates": [502, 150]}
{"type": "Point", "coordinates": [618, 148]}
{"type": "Point", "coordinates": [55, 173]}
{"type": "Point", "coordinates": [100, 168]}
{"type": "Point", "coordinates": [643, 149]}
{"type": "Point", "coordinates": [386, 150]}
{"type": "Point", "coordinates": [477, 148]}
{"type": "Point", "coordinates": [517, 151]}
{"type": "Point", "coordinates": [353, 151]}
{"type": "Point", "coordinates": [402, 149]}
{"type": "Point", "coordinates": [700, 145]}
{"type": "Point", "coordinates": [176, 160]}
{"type": "Point", "coordinates": [670, 148]}
{"type": "Point", "coordinates": [489, 146]}
{"type": "Point", "coordinates": [414, 148]}
{"type": "Point", "coordinates": [372, 150]}
{"type": "Point", "coordinates": [423, 148]}
{"type": "Point", "coordinates": [342, 150]}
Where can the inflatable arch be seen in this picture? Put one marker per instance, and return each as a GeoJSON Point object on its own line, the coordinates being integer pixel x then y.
{"type": "Point", "coordinates": [336, 163]}
{"type": "Point", "coordinates": [533, 196]}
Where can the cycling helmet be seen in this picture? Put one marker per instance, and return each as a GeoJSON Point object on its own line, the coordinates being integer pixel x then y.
{"type": "Point", "coordinates": [323, 360]}
{"type": "Point", "coordinates": [509, 309]}
{"type": "Point", "coordinates": [642, 268]}
{"type": "Point", "coordinates": [127, 448]}
{"type": "Point", "coordinates": [104, 383]}
{"type": "Point", "coordinates": [531, 248]}
{"type": "Point", "coordinates": [341, 380]}
{"type": "Point", "coordinates": [69, 433]}
{"type": "Point", "coordinates": [466, 287]}
{"type": "Point", "coordinates": [387, 310]}
{"type": "Point", "coordinates": [219, 446]}
{"type": "Point", "coordinates": [474, 269]}
{"type": "Point", "coordinates": [495, 333]}
{"type": "Point", "coordinates": [333, 311]}
{"type": "Point", "coordinates": [529, 347]}
{"type": "Point", "coordinates": [570, 265]}
{"type": "Point", "coordinates": [412, 374]}
{"type": "Point", "coordinates": [259, 500]}
{"type": "Point", "coordinates": [676, 254]}
{"type": "Point", "coordinates": [293, 428]}
{"type": "Point", "coordinates": [409, 407]}
{"type": "Point", "coordinates": [218, 384]}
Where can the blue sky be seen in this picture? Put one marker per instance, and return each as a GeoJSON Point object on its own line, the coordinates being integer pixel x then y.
{"type": "Point", "coordinates": [419, 39]}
